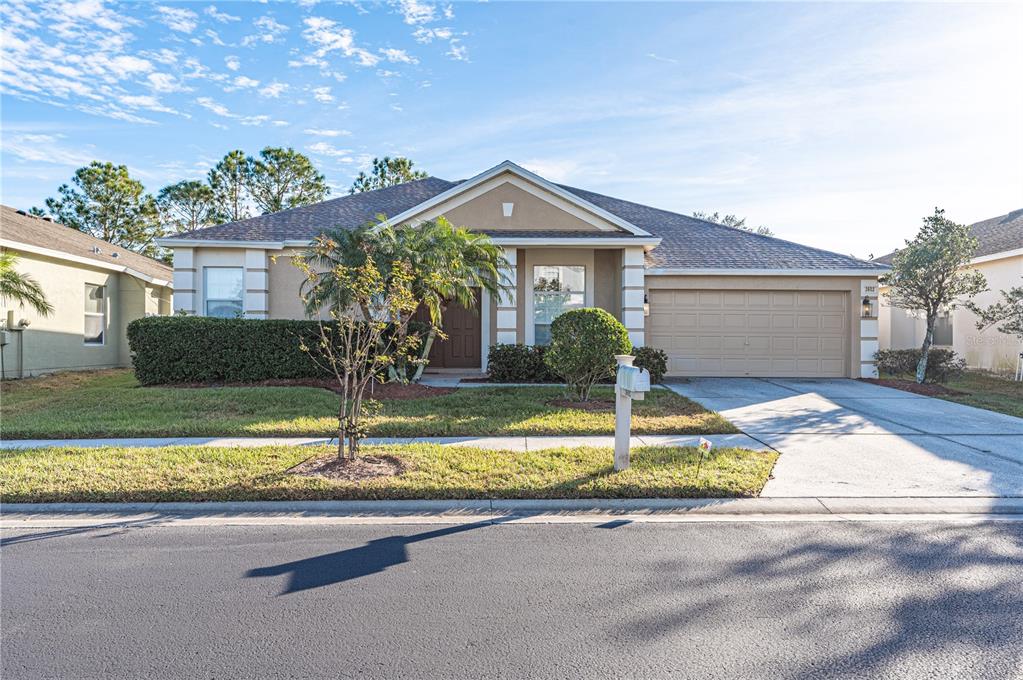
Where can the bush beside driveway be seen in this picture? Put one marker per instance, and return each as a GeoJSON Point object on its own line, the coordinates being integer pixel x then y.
{"type": "Point", "coordinates": [198, 473]}
{"type": "Point", "coordinates": [112, 404]}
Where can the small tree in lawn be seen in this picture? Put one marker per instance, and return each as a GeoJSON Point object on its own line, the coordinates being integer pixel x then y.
{"type": "Point", "coordinates": [359, 340]}
{"type": "Point", "coordinates": [928, 275]}
{"type": "Point", "coordinates": [583, 346]}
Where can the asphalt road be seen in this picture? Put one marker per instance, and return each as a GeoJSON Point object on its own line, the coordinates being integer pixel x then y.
{"type": "Point", "coordinates": [749, 600]}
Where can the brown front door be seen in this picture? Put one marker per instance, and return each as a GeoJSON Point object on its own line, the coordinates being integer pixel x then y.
{"type": "Point", "coordinates": [462, 347]}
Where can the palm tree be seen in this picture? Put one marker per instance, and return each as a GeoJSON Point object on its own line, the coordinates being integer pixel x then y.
{"type": "Point", "coordinates": [448, 264]}
{"type": "Point", "coordinates": [21, 288]}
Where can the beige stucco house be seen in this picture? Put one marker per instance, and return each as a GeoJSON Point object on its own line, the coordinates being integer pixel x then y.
{"type": "Point", "coordinates": [719, 301]}
{"type": "Point", "coordinates": [95, 288]}
{"type": "Point", "coordinates": [999, 257]}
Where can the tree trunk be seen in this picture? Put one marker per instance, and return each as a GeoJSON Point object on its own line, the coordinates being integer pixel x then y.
{"type": "Point", "coordinates": [921, 366]}
{"type": "Point", "coordinates": [341, 434]}
{"type": "Point", "coordinates": [423, 354]}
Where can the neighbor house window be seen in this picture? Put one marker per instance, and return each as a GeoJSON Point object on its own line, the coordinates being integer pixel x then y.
{"type": "Point", "coordinates": [95, 314]}
{"type": "Point", "coordinates": [556, 289]}
{"type": "Point", "coordinates": [223, 291]}
{"type": "Point", "coordinates": [943, 330]}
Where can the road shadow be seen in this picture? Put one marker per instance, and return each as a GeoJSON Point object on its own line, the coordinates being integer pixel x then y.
{"type": "Point", "coordinates": [353, 563]}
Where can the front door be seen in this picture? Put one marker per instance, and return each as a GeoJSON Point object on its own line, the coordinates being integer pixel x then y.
{"type": "Point", "coordinates": [461, 349]}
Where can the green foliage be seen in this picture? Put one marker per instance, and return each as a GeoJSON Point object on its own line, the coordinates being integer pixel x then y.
{"type": "Point", "coordinates": [1006, 314]}
{"type": "Point", "coordinates": [21, 289]}
{"type": "Point", "coordinates": [187, 205]}
{"type": "Point", "coordinates": [654, 360]}
{"type": "Point", "coordinates": [194, 349]}
{"type": "Point", "coordinates": [928, 276]}
{"type": "Point", "coordinates": [103, 200]}
{"type": "Point", "coordinates": [284, 178]}
{"type": "Point", "coordinates": [519, 364]}
{"type": "Point", "coordinates": [386, 172]}
{"type": "Point", "coordinates": [942, 364]}
{"type": "Point", "coordinates": [583, 346]}
{"type": "Point", "coordinates": [229, 179]}
{"type": "Point", "coordinates": [733, 222]}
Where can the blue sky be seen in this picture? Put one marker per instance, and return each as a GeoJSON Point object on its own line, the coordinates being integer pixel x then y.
{"type": "Point", "coordinates": [837, 125]}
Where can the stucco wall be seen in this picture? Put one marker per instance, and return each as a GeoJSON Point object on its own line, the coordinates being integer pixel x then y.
{"type": "Point", "coordinates": [56, 342]}
{"type": "Point", "coordinates": [988, 350]}
{"type": "Point", "coordinates": [529, 213]}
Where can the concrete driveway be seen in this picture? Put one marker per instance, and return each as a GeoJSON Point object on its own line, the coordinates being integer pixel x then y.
{"type": "Point", "coordinates": [850, 438]}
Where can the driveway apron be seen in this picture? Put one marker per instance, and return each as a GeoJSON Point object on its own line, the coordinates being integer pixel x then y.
{"type": "Point", "coordinates": [856, 439]}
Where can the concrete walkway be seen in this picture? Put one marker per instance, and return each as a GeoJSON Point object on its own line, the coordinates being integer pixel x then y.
{"type": "Point", "coordinates": [850, 438]}
{"type": "Point", "coordinates": [501, 443]}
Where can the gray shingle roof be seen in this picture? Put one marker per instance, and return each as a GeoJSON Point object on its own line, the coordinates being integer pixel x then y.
{"type": "Point", "coordinates": [35, 231]}
{"type": "Point", "coordinates": [687, 242]}
{"type": "Point", "coordinates": [995, 235]}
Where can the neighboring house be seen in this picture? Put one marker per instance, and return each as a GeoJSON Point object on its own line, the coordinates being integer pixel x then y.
{"type": "Point", "coordinates": [95, 288]}
{"type": "Point", "coordinates": [999, 257]}
{"type": "Point", "coordinates": [719, 301]}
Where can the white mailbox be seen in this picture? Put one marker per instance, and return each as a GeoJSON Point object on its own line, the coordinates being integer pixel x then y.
{"type": "Point", "coordinates": [633, 380]}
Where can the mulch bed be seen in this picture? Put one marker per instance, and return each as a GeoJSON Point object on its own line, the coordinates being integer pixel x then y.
{"type": "Point", "coordinates": [376, 391]}
{"type": "Point", "coordinates": [358, 470]}
{"type": "Point", "coordinates": [599, 405]}
{"type": "Point", "coordinates": [927, 389]}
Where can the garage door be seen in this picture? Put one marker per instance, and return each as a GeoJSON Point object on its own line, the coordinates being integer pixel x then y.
{"type": "Point", "coordinates": [751, 333]}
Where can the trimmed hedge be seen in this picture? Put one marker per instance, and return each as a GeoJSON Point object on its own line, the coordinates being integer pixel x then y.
{"type": "Point", "coordinates": [942, 364]}
{"type": "Point", "coordinates": [654, 360]}
{"type": "Point", "coordinates": [519, 364]}
{"type": "Point", "coordinates": [195, 349]}
{"type": "Point", "coordinates": [583, 346]}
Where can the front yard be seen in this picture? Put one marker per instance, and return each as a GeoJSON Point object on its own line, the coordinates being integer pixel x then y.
{"type": "Point", "coordinates": [428, 472]}
{"type": "Point", "coordinates": [112, 404]}
{"type": "Point", "coordinates": [973, 388]}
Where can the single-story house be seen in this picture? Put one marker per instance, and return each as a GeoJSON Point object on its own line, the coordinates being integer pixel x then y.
{"type": "Point", "coordinates": [999, 256]}
{"type": "Point", "coordinates": [719, 301]}
{"type": "Point", "coordinates": [95, 288]}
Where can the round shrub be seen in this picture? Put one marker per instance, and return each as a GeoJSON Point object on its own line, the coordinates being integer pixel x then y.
{"type": "Point", "coordinates": [583, 346]}
{"type": "Point", "coordinates": [654, 360]}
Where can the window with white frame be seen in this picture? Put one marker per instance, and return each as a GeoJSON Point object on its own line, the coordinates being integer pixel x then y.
{"type": "Point", "coordinates": [556, 289]}
{"type": "Point", "coordinates": [95, 314]}
{"type": "Point", "coordinates": [223, 289]}
{"type": "Point", "coordinates": [943, 330]}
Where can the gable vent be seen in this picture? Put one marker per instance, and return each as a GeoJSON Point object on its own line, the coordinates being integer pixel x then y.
{"type": "Point", "coordinates": [507, 209]}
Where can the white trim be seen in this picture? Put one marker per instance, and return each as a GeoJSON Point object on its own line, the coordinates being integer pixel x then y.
{"type": "Point", "coordinates": [675, 271]}
{"type": "Point", "coordinates": [582, 241]}
{"type": "Point", "coordinates": [60, 255]}
{"type": "Point", "coordinates": [226, 243]}
{"type": "Point", "coordinates": [508, 166]}
{"type": "Point", "coordinates": [997, 256]}
{"type": "Point", "coordinates": [484, 329]}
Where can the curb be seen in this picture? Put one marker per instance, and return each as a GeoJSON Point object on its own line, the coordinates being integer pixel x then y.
{"type": "Point", "coordinates": [530, 507]}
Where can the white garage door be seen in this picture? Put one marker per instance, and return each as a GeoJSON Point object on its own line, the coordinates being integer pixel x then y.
{"type": "Point", "coordinates": [751, 333]}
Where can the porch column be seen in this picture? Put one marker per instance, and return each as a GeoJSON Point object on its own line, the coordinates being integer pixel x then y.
{"type": "Point", "coordinates": [256, 278]}
{"type": "Point", "coordinates": [633, 292]}
{"type": "Point", "coordinates": [184, 281]}
{"type": "Point", "coordinates": [869, 328]}
{"type": "Point", "coordinates": [507, 314]}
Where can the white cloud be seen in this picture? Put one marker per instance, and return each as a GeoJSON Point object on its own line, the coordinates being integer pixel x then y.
{"type": "Point", "coordinates": [323, 95]}
{"type": "Point", "coordinates": [385, 73]}
{"type": "Point", "coordinates": [398, 56]}
{"type": "Point", "coordinates": [214, 37]}
{"type": "Point", "coordinates": [222, 17]}
{"type": "Point", "coordinates": [233, 62]}
{"type": "Point", "coordinates": [457, 51]}
{"type": "Point", "coordinates": [177, 18]}
{"type": "Point", "coordinates": [270, 31]}
{"type": "Point", "coordinates": [417, 12]}
{"type": "Point", "coordinates": [658, 57]}
{"type": "Point", "coordinates": [165, 82]}
{"type": "Point", "coordinates": [281, 123]}
{"type": "Point", "coordinates": [325, 149]}
{"type": "Point", "coordinates": [45, 149]}
{"type": "Point", "coordinates": [273, 90]}
{"type": "Point", "coordinates": [556, 170]}
{"type": "Point", "coordinates": [424, 34]}
{"type": "Point", "coordinates": [319, 132]}
{"type": "Point", "coordinates": [210, 104]}
{"type": "Point", "coordinates": [329, 36]}
{"type": "Point", "coordinates": [244, 81]}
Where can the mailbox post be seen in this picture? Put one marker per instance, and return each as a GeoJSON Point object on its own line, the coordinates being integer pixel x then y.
{"type": "Point", "coordinates": [631, 383]}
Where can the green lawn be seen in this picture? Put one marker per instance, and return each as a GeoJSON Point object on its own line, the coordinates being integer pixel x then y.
{"type": "Point", "coordinates": [989, 391]}
{"type": "Point", "coordinates": [112, 404]}
{"type": "Point", "coordinates": [221, 474]}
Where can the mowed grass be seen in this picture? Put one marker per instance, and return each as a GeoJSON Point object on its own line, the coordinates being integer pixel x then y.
{"type": "Point", "coordinates": [990, 392]}
{"type": "Point", "coordinates": [197, 473]}
{"type": "Point", "coordinates": [112, 404]}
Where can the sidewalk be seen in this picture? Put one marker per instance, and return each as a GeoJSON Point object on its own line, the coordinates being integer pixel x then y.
{"type": "Point", "coordinates": [501, 443]}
